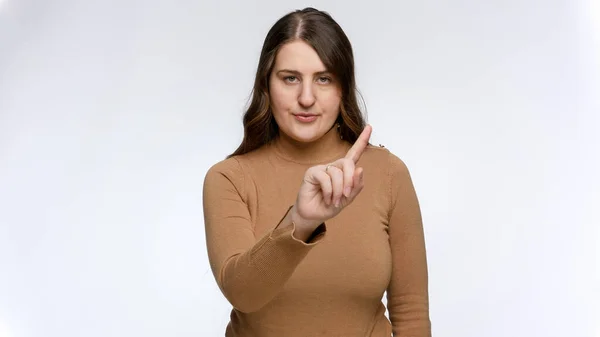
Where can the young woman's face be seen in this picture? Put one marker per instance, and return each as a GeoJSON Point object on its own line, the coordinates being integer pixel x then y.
{"type": "Point", "coordinates": [305, 97]}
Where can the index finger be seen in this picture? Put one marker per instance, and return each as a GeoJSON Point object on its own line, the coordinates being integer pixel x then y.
{"type": "Point", "coordinates": [360, 145]}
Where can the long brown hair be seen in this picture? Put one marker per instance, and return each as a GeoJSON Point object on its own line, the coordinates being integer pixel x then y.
{"type": "Point", "coordinates": [318, 29]}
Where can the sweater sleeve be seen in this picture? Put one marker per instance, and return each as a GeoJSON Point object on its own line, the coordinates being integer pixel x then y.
{"type": "Point", "coordinates": [407, 294]}
{"type": "Point", "coordinates": [249, 271]}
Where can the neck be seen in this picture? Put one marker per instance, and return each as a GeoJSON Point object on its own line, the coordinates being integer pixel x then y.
{"type": "Point", "coordinates": [325, 149]}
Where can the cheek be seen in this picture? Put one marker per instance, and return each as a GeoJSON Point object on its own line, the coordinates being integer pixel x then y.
{"type": "Point", "coordinates": [281, 99]}
{"type": "Point", "coordinates": [331, 102]}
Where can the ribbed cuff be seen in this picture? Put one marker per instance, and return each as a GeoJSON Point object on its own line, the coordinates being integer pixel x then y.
{"type": "Point", "coordinates": [279, 233]}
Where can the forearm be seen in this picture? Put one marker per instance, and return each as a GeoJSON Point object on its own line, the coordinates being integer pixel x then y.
{"type": "Point", "coordinates": [251, 279]}
{"type": "Point", "coordinates": [410, 316]}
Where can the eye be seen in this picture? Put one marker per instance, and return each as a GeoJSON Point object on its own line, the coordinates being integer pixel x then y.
{"type": "Point", "coordinates": [290, 79]}
{"type": "Point", "coordinates": [324, 80]}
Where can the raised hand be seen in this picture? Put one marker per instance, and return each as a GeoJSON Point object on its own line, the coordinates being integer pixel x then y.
{"type": "Point", "coordinates": [327, 189]}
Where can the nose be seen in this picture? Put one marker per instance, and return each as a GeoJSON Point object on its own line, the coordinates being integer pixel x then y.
{"type": "Point", "coordinates": [307, 96]}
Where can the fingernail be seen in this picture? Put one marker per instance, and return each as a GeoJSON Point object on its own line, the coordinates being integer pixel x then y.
{"type": "Point", "coordinates": [347, 191]}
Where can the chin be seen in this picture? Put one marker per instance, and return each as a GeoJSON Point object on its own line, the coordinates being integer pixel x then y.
{"type": "Point", "coordinates": [306, 135]}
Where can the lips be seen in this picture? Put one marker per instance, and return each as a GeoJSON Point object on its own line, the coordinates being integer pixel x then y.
{"type": "Point", "coordinates": [305, 117]}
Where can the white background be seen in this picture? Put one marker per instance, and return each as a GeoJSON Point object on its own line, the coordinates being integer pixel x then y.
{"type": "Point", "coordinates": [112, 111]}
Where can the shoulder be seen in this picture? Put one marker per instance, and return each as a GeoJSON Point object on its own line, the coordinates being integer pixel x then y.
{"type": "Point", "coordinates": [239, 165]}
{"type": "Point", "coordinates": [382, 157]}
{"type": "Point", "coordinates": [229, 165]}
{"type": "Point", "coordinates": [225, 171]}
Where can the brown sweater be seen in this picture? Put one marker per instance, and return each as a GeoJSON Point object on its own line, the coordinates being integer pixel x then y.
{"type": "Point", "coordinates": [333, 285]}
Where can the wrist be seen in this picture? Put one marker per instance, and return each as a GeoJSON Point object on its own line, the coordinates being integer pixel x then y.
{"type": "Point", "coordinates": [304, 227]}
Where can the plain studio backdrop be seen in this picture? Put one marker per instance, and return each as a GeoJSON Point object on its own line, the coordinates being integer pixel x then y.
{"type": "Point", "coordinates": [111, 112]}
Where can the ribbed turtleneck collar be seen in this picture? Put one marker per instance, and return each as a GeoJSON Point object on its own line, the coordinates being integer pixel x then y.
{"type": "Point", "coordinates": [326, 149]}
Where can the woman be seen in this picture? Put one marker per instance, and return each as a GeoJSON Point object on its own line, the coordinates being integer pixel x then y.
{"type": "Point", "coordinates": [307, 225]}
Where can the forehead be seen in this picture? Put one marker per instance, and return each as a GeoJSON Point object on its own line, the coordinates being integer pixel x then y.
{"type": "Point", "coordinates": [299, 56]}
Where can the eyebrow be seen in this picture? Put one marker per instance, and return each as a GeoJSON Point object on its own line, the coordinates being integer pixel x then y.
{"type": "Point", "coordinates": [295, 72]}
